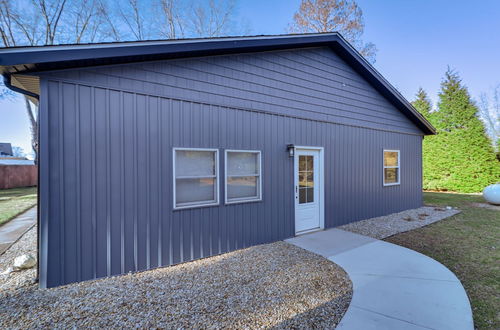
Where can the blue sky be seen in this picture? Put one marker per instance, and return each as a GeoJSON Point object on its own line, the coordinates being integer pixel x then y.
{"type": "Point", "coordinates": [416, 41]}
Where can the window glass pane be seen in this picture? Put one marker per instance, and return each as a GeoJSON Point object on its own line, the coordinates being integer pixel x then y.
{"type": "Point", "coordinates": [310, 179]}
{"type": "Point", "coordinates": [390, 175]}
{"type": "Point", "coordinates": [242, 163]}
{"type": "Point", "coordinates": [242, 187]}
{"type": "Point", "coordinates": [390, 158]}
{"type": "Point", "coordinates": [302, 195]}
{"type": "Point", "coordinates": [303, 163]}
{"type": "Point", "coordinates": [310, 195]}
{"type": "Point", "coordinates": [310, 163]}
{"type": "Point", "coordinates": [194, 163]}
{"type": "Point", "coordinates": [303, 179]}
{"type": "Point", "coordinates": [195, 190]}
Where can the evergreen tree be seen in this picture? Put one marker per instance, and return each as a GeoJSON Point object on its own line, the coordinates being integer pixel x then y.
{"type": "Point", "coordinates": [422, 103]}
{"type": "Point", "coordinates": [460, 157]}
{"type": "Point", "coordinates": [433, 168]}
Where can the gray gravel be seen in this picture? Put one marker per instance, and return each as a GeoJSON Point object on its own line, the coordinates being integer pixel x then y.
{"type": "Point", "coordinates": [392, 224]}
{"type": "Point", "coordinates": [25, 245]}
{"type": "Point", "coordinates": [273, 285]}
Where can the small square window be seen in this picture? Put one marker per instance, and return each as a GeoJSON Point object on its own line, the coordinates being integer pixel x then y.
{"type": "Point", "coordinates": [391, 168]}
{"type": "Point", "coordinates": [243, 176]}
{"type": "Point", "coordinates": [195, 177]}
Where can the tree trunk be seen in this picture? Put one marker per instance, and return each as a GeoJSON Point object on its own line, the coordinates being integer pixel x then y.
{"type": "Point", "coordinates": [32, 115]}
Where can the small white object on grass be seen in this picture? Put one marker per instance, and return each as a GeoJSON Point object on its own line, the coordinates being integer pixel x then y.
{"type": "Point", "coordinates": [24, 261]}
{"type": "Point", "coordinates": [492, 194]}
{"type": "Point", "coordinates": [449, 208]}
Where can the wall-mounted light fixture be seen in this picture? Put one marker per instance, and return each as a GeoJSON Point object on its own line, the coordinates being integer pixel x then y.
{"type": "Point", "coordinates": [291, 149]}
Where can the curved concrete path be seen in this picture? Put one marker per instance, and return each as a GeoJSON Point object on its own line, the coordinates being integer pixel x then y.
{"type": "Point", "coordinates": [393, 287]}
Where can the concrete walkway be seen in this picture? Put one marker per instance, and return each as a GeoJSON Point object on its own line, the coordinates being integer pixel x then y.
{"type": "Point", "coordinates": [15, 228]}
{"type": "Point", "coordinates": [393, 287]}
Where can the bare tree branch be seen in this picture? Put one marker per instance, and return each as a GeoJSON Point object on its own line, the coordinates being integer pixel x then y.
{"type": "Point", "coordinates": [211, 19]}
{"type": "Point", "coordinates": [489, 111]}
{"type": "Point", "coordinates": [342, 16]}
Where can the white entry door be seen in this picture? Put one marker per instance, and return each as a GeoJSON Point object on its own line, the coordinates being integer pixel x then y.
{"type": "Point", "coordinates": [308, 190]}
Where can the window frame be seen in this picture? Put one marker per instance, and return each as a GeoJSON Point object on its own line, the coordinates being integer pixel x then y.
{"type": "Point", "coordinates": [216, 181]}
{"type": "Point", "coordinates": [243, 199]}
{"type": "Point", "coordinates": [384, 167]}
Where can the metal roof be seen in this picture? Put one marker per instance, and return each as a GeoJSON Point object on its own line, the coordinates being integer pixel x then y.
{"type": "Point", "coordinates": [22, 62]}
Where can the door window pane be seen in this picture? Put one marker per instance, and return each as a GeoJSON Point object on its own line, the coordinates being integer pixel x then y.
{"type": "Point", "coordinates": [302, 195]}
{"type": "Point", "coordinates": [310, 195]}
{"type": "Point", "coordinates": [243, 176]}
{"type": "Point", "coordinates": [303, 163]}
{"type": "Point", "coordinates": [306, 179]}
{"type": "Point", "coordinates": [310, 163]}
{"type": "Point", "coordinates": [302, 179]}
{"type": "Point", "coordinates": [310, 179]}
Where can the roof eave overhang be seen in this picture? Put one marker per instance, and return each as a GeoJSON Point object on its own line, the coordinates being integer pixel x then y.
{"type": "Point", "coordinates": [36, 59]}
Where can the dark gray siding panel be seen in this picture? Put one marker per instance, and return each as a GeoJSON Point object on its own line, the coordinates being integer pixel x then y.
{"type": "Point", "coordinates": [106, 179]}
{"type": "Point", "coordinates": [311, 83]}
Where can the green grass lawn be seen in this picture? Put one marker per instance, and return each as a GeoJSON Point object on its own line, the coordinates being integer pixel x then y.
{"type": "Point", "coordinates": [469, 245]}
{"type": "Point", "coordinates": [15, 201]}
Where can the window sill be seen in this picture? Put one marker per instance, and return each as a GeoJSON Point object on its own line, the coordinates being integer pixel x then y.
{"type": "Point", "coordinates": [243, 201]}
{"type": "Point", "coordinates": [197, 206]}
{"type": "Point", "coordinates": [392, 184]}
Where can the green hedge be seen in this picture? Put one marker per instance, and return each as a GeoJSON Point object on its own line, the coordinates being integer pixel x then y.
{"type": "Point", "coordinates": [461, 156]}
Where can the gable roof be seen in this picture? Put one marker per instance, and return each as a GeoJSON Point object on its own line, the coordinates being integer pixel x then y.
{"type": "Point", "coordinates": [19, 65]}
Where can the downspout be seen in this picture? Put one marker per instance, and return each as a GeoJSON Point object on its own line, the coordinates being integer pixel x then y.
{"type": "Point", "coordinates": [8, 83]}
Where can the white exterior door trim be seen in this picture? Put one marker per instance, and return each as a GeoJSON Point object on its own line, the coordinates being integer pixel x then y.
{"type": "Point", "coordinates": [321, 186]}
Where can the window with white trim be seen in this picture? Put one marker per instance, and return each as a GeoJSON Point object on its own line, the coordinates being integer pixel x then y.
{"type": "Point", "coordinates": [196, 181]}
{"type": "Point", "coordinates": [391, 167]}
{"type": "Point", "coordinates": [243, 176]}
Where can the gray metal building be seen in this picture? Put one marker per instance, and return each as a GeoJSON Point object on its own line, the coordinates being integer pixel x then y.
{"type": "Point", "coordinates": [160, 152]}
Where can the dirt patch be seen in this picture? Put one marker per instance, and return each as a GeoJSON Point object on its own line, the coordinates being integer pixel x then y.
{"type": "Point", "coordinates": [486, 206]}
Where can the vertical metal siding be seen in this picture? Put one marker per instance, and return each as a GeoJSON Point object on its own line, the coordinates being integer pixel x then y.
{"type": "Point", "coordinates": [106, 164]}
{"type": "Point", "coordinates": [110, 187]}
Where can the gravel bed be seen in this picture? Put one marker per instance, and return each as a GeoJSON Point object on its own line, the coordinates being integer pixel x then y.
{"type": "Point", "coordinates": [25, 245]}
{"type": "Point", "coordinates": [273, 285]}
{"type": "Point", "coordinates": [392, 224]}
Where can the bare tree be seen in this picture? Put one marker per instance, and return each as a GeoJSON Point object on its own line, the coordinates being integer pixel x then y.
{"type": "Point", "coordinates": [212, 19]}
{"type": "Point", "coordinates": [18, 152]}
{"type": "Point", "coordinates": [109, 29]}
{"type": "Point", "coordinates": [51, 12]}
{"type": "Point", "coordinates": [6, 24]}
{"type": "Point", "coordinates": [48, 22]}
{"type": "Point", "coordinates": [489, 111]}
{"type": "Point", "coordinates": [202, 18]}
{"type": "Point", "coordinates": [172, 20]}
{"type": "Point", "coordinates": [343, 16]}
{"type": "Point", "coordinates": [136, 18]}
